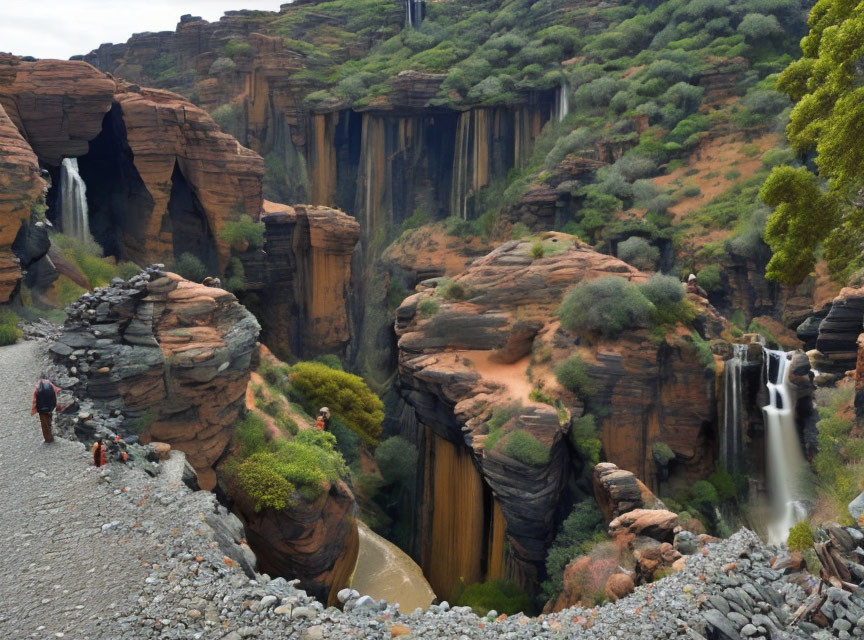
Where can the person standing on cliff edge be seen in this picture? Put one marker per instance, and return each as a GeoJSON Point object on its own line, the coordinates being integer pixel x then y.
{"type": "Point", "coordinates": [45, 403]}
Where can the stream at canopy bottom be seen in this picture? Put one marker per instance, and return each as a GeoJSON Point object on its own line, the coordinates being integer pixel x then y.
{"type": "Point", "coordinates": [386, 572]}
{"type": "Point", "coordinates": [785, 464]}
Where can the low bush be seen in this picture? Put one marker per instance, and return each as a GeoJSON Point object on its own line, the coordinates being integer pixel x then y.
{"type": "Point", "coordinates": [666, 293]}
{"type": "Point", "coordinates": [502, 596]}
{"type": "Point", "coordinates": [427, 308]}
{"type": "Point", "coordinates": [9, 331]}
{"type": "Point", "coordinates": [800, 537]}
{"type": "Point", "coordinates": [347, 396]}
{"type": "Point", "coordinates": [638, 251]}
{"type": "Point", "coordinates": [190, 267]}
{"type": "Point", "coordinates": [581, 529]}
{"type": "Point", "coordinates": [524, 447]}
{"type": "Point", "coordinates": [607, 306]}
{"type": "Point", "coordinates": [453, 290]}
{"type": "Point", "coordinates": [662, 453]}
{"type": "Point", "coordinates": [397, 460]}
{"type": "Point", "coordinates": [269, 472]}
{"type": "Point", "coordinates": [572, 374]}
{"type": "Point", "coordinates": [585, 438]}
{"type": "Point", "coordinates": [710, 278]}
{"type": "Point", "coordinates": [243, 230]}
{"type": "Point", "coordinates": [703, 496]}
{"type": "Point", "coordinates": [537, 250]}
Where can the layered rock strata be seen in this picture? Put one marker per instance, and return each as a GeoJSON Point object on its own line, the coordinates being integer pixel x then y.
{"type": "Point", "coordinates": [468, 352]}
{"type": "Point", "coordinates": [171, 356]}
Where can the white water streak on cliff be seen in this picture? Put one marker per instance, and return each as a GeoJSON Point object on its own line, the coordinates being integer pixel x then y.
{"type": "Point", "coordinates": [785, 463]}
{"type": "Point", "coordinates": [73, 202]}
{"type": "Point", "coordinates": [732, 427]}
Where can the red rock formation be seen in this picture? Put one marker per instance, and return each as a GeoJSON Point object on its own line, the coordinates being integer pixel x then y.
{"type": "Point", "coordinates": [303, 280]}
{"type": "Point", "coordinates": [177, 357]}
{"type": "Point", "coordinates": [163, 130]}
{"type": "Point", "coordinates": [54, 109]}
{"type": "Point", "coordinates": [462, 358]}
{"type": "Point", "coordinates": [21, 188]}
{"type": "Point", "coordinates": [657, 524]}
{"type": "Point", "coordinates": [618, 491]}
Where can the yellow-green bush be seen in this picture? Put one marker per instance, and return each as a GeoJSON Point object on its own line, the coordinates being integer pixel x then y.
{"type": "Point", "coordinates": [245, 229]}
{"type": "Point", "coordinates": [800, 537]}
{"type": "Point", "coordinates": [346, 395]}
{"type": "Point", "coordinates": [269, 473]}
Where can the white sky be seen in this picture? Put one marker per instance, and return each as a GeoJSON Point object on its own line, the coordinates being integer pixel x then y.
{"type": "Point", "coordinates": [63, 28]}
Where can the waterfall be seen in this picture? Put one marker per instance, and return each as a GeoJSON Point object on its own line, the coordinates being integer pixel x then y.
{"type": "Point", "coordinates": [415, 10]}
{"type": "Point", "coordinates": [562, 101]}
{"type": "Point", "coordinates": [730, 433]}
{"type": "Point", "coordinates": [73, 201]}
{"type": "Point", "coordinates": [785, 462]}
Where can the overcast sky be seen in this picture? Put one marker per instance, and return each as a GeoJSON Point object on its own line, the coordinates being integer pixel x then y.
{"type": "Point", "coordinates": [63, 28]}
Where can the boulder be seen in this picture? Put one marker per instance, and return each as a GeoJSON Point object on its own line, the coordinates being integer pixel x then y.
{"type": "Point", "coordinates": [619, 585]}
{"type": "Point", "coordinates": [658, 524]}
{"type": "Point", "coordinates": [618, 491]}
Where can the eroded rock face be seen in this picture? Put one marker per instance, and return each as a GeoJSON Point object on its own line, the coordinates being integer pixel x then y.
{"type": "Point", "coordinates": [303, 279]}
{"type": "Point", "coordinates": [465, 356]}
{"type": "Point", "coordinates": [618, 491]}
{"type": "Point", "coordinates": [170, 355]}
{"type": "Point", "coordinates": [162, 178]}
{"type": "Point", "coordinates": [839, 331]}
{"type": "Point", "coordinates": [314, 542]}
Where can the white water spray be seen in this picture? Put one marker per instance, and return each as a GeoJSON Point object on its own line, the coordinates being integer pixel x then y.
{"type": "Point", "coordinates": [415, 10]}
{"type": "Point", "coordinates": [785, 462]}
{"type": "Point", "coordinates": [730, 434]}
{"type": "Point", "coordinates": [73, 201]}
{"type": "Point", "coordinates": [562, 101]}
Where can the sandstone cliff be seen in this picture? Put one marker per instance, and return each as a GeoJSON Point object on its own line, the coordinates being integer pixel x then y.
{"type": "Point", "coordinates": [485, 341]}
{"type": "Point", "coordinates": [170, 355]}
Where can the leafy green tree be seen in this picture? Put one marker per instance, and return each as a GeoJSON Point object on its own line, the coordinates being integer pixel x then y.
{"type": "Point", "coordinates": [346, 395]}
{"type": "Point", "coordinates": [828, 119]}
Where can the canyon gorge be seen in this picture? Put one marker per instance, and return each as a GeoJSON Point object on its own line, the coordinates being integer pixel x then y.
{"type": "Point", "coordinates": [580, 292]}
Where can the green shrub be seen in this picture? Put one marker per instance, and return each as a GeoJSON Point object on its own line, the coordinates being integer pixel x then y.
{"type": "Point", "coordinates": [427, 308]}
{"type": "Point", "coordinates": [190, 267]}
{"type": "Point", "coordinates": [127, 270]}
{"type": "Point", "coordinates": [703, 496]}
{"type": "Point", "coordinates": [537, 250]}
{"type": "Point", "coordinates": [639, 252]}
{"type": "Point", "coordinates": [724, 484]}
{"type": "Point", "coordinates": [710, 278]}
{"type": "Point", "coordinates": [524, 447]}
{"type": "Point", "coordinates": [578, 532]}
{"type": "Point", "coordinates": [331, 360]}
{"type": "Point", "coordinates": [9, 334]}
{"type": "Point", "coordinates": [257, 478]}
{"type": "Point", "coordinates": [538, 395]}
{"type": "Point", "coordinates": [800, 537]}
{"type": "Point", "coordinates": [572, 374]}
{"type": "Point", "coordinates": [732, 174]}
{"type": "Point", "coordinates": [662, 453]}
{"type": "Point", "coordinates": [243, 230]}
{"type": "Point", "coordinates": [452, 290]}
{"type": "Point", "coordinates": [397, 460]}
{"type": "Point", "coordinates": [347, 441]}
{"type": "Point", "coordinates": [691, 192]}
{"type": "Point", "coordinates": [607, 306]}
{"type": "Point", "coordinates": [347, 396]}
{"type": "Point", "coordinates": [666, 293]}
{"type": "Point", "coordinates": [235, 48]}
{"type": "Point", "coordinates": [502, 596]}
{"type": "Point", "coordinates": [585, 438]}
{"type": "Point", "coordinates": [235, 276]}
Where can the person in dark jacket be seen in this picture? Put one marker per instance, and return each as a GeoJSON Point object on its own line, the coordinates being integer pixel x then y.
{"type": "Point", "coordinates": [45, 403]}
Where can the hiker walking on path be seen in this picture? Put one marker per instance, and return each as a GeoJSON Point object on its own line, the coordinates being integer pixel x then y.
{"type": "Point", "coordinates": [45, 403]}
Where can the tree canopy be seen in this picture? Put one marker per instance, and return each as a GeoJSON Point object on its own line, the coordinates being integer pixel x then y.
{"type": "Point", "coordinates": [828, 120]}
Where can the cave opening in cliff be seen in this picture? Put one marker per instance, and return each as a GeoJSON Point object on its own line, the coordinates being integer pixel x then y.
{"type": "Point", "coordinates": [119, 204]}
{"type": "Point", "coordinates": [190, 229]}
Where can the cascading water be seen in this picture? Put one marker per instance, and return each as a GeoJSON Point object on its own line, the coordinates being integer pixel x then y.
{"type": "Point", "coordinates": [415, 10]}
{"type": "Point", "coordinates": [562, 101]}
{"type": "Point", "coordinates": [73, 201]}
{"type": "Point", "coordinates": [785, 463]}
{"type": "Point", "coordinates": [730, 434]}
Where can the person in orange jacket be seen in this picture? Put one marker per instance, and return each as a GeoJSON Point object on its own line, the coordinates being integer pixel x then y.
{"type": "Point", "coordinates": [98, 451]}
{"type": "Point", "coordinates": [321, 420]}
{"type": "Point", "coordinates": [45, 402]}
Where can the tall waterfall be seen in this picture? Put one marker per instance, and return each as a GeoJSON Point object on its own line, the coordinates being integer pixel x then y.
{"type": "Point", "coordinates": [415, 10]}
{"type": "Point", "coordinates": [730, 433]}
{"type": "Point", "coordinates": [785, 462]}
{"type": "Point", "coordinates": [73, 201]}
{"type": "Point", "coordinates": [562, 101]}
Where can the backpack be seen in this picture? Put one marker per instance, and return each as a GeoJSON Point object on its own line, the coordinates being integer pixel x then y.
{"type": "Point", "coordinates": [46, 397]}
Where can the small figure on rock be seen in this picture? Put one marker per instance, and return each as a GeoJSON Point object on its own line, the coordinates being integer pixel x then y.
{"type": "Point", "coordinates": [98, 451]}
{"type": "Point", "coordinates": [45, 403]}
{"type": "Point", "coordinates": [693, 287]}
{"type": "Point", "coordinates": [210, 281]}
{"type": "Point", "coordinates": [323, 417]}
